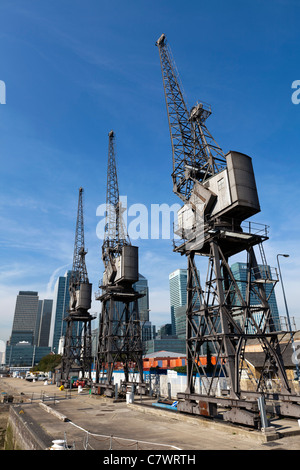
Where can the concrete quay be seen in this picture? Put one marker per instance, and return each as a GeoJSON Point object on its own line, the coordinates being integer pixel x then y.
{"type": "Point", "coordinates": [90, 422]}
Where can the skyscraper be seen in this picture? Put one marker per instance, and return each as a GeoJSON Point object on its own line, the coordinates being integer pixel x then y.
{"type": "Point", "coordinates": [178, 294]}
{"type": "Point", "coordinates": [23, 348]}
{"type": "Point", "coordinates": [44, 322]}
{"type": "Point", "coordinates": [25, 317]}
{"type": "Point", "coordinates": [141, 286]}
{"type": "Point", "coordinates": [239, 271]}
{"type": "Point", "coordinates": [59, 311]}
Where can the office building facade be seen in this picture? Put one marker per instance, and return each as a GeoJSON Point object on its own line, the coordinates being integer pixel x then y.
{"type": "Point", "coordinates": [178, 294]}
{"type": "Point", "coordinates": [178, 300]}
{"type": "Point", "coordinates": [59, 312]}
{"type": "Point", "coordinates": [23, 346]}
{"type": "Point", "coordinates": [141, 286]}
{"type": "Point", "coordinates": [239, 271]}
{"type": "Point", "coordinates": [25, 317]}
{"type": "Point", "coordinates": [44, 322]}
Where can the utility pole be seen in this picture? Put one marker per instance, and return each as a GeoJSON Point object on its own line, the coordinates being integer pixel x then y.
{"type": "Point", "coordinates": [287, 314]}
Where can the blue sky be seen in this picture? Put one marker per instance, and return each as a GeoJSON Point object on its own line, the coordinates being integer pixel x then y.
{"type": "Point", "coordinates": [74, 70]}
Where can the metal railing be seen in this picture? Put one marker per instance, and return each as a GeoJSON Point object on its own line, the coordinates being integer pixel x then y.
{"type": "Point", "coordinates": [93, 441]}
{"type": "Point", "coordinates": [183, 233]}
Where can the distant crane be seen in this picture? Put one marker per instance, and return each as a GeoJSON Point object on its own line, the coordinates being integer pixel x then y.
{"type": "Point", "coordinates": [120, 340]}
{"type": "Point", "coordinates": [77, 355]}
{"type": "Point", "coordinates": [219, 194]}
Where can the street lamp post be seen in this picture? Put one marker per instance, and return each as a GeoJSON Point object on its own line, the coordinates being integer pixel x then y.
{"type": "Point", "coordinates": [287, 313]}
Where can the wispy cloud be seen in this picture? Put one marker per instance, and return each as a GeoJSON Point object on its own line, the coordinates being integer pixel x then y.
{"type": "Point", "coordinates": [52, 280]}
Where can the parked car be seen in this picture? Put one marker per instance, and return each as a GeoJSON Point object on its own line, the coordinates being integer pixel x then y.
{"type": "Point", "coordinates": [31, 377]}
{"type": "Point", "coordinates": [41, 377]}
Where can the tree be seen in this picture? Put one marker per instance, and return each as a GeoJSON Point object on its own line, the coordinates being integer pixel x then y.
{"type": "Point", "coordinates": [180, 369]}
{"type": "Point", "coordinates": [48, 363]}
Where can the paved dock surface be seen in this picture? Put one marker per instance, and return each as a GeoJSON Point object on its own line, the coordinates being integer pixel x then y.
{"type": "Point", "coordinates": [92, 422]}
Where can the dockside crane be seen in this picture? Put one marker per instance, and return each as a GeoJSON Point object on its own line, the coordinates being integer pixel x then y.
{"type": "Point", "coordinates": [77, 354]}
{"type": "Point", "coordinates": [219, 195]}
{"type": "Point", "coordinates": [120, 339]}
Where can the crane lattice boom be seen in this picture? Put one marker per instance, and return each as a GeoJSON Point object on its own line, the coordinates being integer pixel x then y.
{"type": "Point", "coordinates": [79, 274]}
{"type": "Point", "coordinates": [196, 156]}
{"type": "Point", "coordinates": [115, 236]}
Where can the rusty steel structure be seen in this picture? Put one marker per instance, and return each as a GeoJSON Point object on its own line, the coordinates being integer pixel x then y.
{"type": "Point", "coordinates": [77, 354]}
{"type": "Point", "coordinates": [119, 338]}
{"type": "Point", "coordinates": [219, 196]}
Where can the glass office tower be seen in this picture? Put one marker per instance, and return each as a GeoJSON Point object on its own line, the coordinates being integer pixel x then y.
{"type": "Point", "coordinates": [239, 271]}
{"type": "Point", "coordinates": [23, 349]}
{"type": "Point", "coordinates": [141, 286]}
{"type": "Point", "coordinates": [59, 311]}
{"type": "Point", "coordinates": [25, 318]}
{"type": "Point", "coordinates": [178, 294]}
{"type": "Point", "coordinates": [44, 322]}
